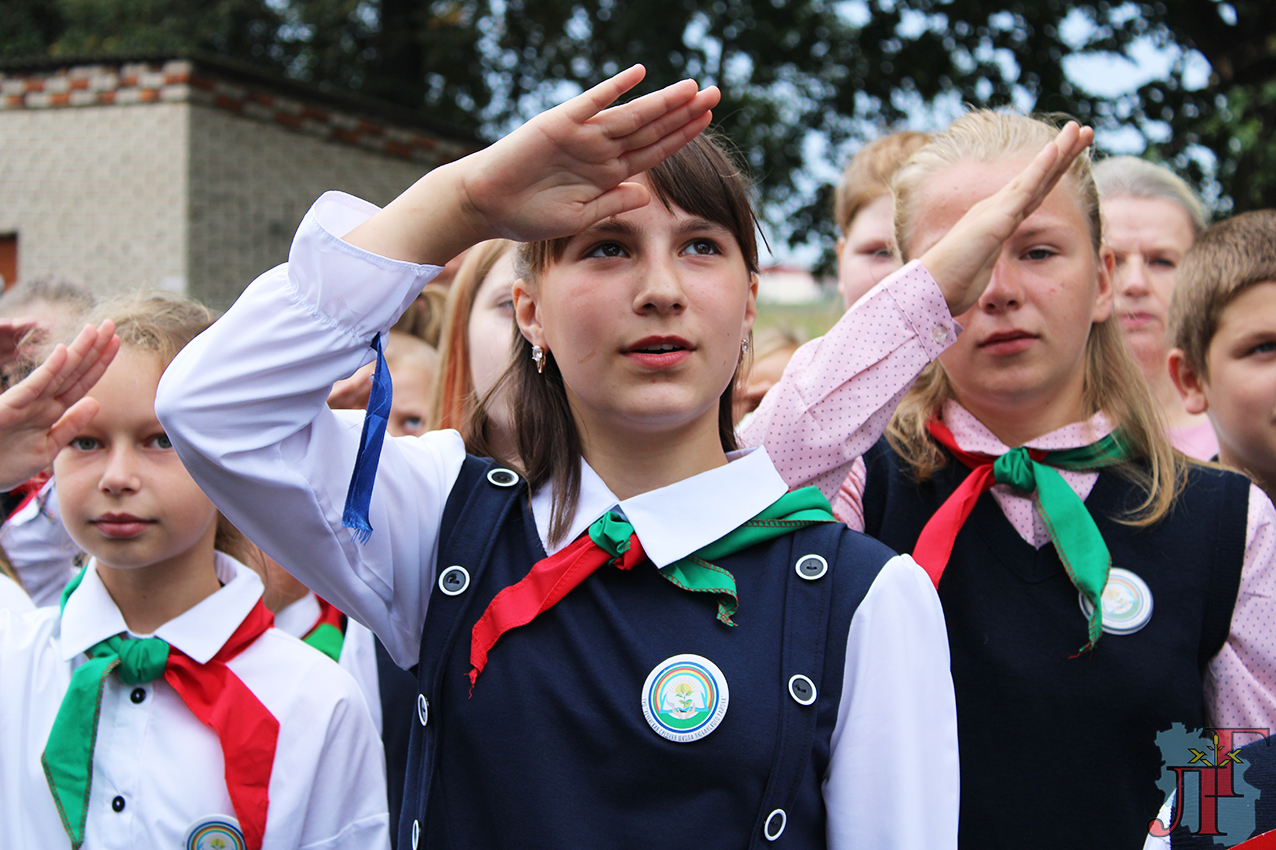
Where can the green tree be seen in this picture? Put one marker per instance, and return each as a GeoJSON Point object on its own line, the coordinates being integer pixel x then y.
{"type": "Point", "coordinates": [800, 78]}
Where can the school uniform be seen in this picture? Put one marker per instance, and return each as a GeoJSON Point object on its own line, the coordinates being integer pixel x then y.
{"type": "Point", "coordinates": [1010, 608]}
{"type": "Point", "coordinates": [389, 691]}
{"type": "Point", "coordinates": [42, 553]}
{"type": "Point", "coordinates": [13, 597]}
{"type": "Point", "coordinates": [357, 655]}
{"type": "Point", "coordinates": [157, 771]}
{"type": "Point", "coordinates": [251, 420]}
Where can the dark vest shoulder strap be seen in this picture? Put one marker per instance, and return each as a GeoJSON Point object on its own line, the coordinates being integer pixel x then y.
{"type": "Point", "coordinates": [877, 462]}
{"type": "Point", "coordinates": [482, 496]}
{"type": "Point", "coordinates": [1230, 495]}
{"type": "Point", "coordinates": [816, 623]}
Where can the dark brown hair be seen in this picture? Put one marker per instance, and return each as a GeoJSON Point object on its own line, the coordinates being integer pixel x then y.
{"type": "Point", "coordinates": [703, 180]}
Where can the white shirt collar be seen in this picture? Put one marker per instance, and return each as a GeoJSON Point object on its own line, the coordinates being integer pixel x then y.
{"type": "Point", "coordinates": [674, 521]}
{"type": "Point", "coordinates": [972, 435]}
{"type": "Point", "coordinates": [91, 615]}
{"type": "Point", "coordinates": [299, 617]}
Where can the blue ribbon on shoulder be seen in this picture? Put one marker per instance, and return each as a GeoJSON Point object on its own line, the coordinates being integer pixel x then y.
{"type": "Point", "coordinates": [359, 496]}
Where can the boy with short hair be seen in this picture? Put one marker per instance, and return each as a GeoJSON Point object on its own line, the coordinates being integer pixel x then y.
{"type": "Point", "coordinates": [1223, 324]}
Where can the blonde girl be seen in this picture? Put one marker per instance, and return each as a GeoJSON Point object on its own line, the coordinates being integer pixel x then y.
{"type": "Point", "coordinates": [1143, 612]}
{"type": "Point", "coordinates": [155, 706]}
{"type": "Point", "coordinates": [600, 643]}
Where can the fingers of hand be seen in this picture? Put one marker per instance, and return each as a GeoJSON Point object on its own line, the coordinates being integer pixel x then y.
{"type": "Point", "coordinates": [640, 160]}
{"type": "Point", "coordinates": [623, 198]}
{"type": "Point", "coordinates": [584, 106]}
{"type": "Point", "coordinates": [72, 422]}
{"type": "Point", "coordinates": [639, 115]}
{"type": "Point", "coordinates": [92, 368]}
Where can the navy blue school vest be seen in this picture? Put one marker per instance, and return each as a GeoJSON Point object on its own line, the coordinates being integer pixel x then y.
{"type": "Point", "coordinates": [552, 749]}
{"type": "Point", "coordinates": [1056, 751]}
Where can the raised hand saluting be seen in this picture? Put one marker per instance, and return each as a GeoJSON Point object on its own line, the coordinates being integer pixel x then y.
{"type": "Point", "coordinates": [961, 261]}
{"type": "Point", "coordinates": [43, 412]}
{"type": "Point", "coordinates": [556, 175]}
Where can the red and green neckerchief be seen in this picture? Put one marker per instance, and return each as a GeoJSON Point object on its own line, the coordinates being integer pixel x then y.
{"type": "Point", "coordinates": [611, 540]}
{"type": "Point", "coordinates": [1033, 472]}
{"type": "Point", "coordinates": [329, 631]}
{"type": "Point", "coordinates": [246, 729]}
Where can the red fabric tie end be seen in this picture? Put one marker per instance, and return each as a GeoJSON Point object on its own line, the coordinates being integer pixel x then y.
{"type": "Point", "coordinates": [549, 580]}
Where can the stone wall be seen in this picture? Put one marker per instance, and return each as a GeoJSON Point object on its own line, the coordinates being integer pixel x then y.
{"type": "Point", "coordinates": [250, 184]}
{"type": "Point", "coordinates": [184, 175]}
{"type": "Point", "coordinates": [98, 193]}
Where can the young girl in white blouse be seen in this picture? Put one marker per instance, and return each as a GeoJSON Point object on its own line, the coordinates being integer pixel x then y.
{"type": "Point", "coordinates": [155, 705]}
{"type": "Point", "coordinates": [649, 636]}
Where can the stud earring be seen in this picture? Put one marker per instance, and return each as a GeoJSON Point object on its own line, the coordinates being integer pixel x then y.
{"type": "Point", "coordinates": [744, 346]}
{"type": "Point", "coordinates": [538, 357]}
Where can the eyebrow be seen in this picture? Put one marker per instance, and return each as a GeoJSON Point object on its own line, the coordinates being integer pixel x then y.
{"type": "Point", "coordinates": [1036, 230]}
{"type": "Point", "coordinates": [687, 227]}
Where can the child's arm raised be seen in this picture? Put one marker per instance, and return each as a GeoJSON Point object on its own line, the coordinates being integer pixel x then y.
{"type": "Point", "coordinates": [839, 391]}
{"type": "Point", "coordinates": [245, 402]}
{"type": "Point", "coordinates": [43, 412]}
{"type": "Point", "coordinates": [961, 260]}
{"type": "Point", "coordinates": [556, 175]}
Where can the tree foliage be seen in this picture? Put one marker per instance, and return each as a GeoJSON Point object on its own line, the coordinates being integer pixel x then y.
{"type": "Point", "coordinates": [800, 78]}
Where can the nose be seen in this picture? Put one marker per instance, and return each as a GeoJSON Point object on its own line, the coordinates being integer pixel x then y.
{"type": "Point", "coordinates": [1131, 276]}
{"type": "Point", "coordinates": [660, 287]}
{"type": "Point", "coordinates": [120, 474]}
{"type": "Point", "coordinates": [1004, 291]}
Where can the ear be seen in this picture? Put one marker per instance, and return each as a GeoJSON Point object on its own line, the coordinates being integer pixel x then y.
{"type": "Point", "coordinates": [1103, 295]}
{"type": "Point", "coordinates": [1190, 385]}
{"type": "Point", "coordinates": [527, 313]}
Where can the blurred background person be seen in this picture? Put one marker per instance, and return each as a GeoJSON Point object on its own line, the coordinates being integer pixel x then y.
{"type": "Point", "coordinates": [865, 213]}
{"type": "Point", "coordinates": [474, 350]}
{"type": "Point", "coordinates": [1151, 217]}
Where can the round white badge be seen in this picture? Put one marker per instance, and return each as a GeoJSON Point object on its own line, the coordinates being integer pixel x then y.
{"type": "Point", "coordinates": [215, 832]}
{"type": "Point", "coordinates": [1127, 603]}
{"type": "Point", "coordinates": [685, 698]}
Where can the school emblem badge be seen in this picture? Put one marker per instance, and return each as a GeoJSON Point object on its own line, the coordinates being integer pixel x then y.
{"type": "Point", "coordinates": [215, 832]}
{"type": "Point", "coordinates": [685, 698]}
{"type": "Point", "coordinates": [1126, 600]}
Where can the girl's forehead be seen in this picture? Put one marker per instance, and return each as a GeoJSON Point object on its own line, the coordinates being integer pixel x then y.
{"type": "Point", "coordinates": [129, 383]}
{"type": "Point", "coordinates": [949, 195]}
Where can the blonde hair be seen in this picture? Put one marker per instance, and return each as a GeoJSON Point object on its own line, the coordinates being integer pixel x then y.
{"type": "Point", "coordinates": [1114, 384]}
{"type": "Point", "coordinates": [1228, 259]}
{"type": "Point", "coordinates": [867, 176]}
{"type": "Point", "coordinates": [161, 325]}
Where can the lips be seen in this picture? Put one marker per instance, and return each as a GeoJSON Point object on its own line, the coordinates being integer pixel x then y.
{"type": "Point", "coordinates": [120, 526]}
{"type": "Point", "coordinates": [1007, 342]}
{"type": "Point", "coordinates": [659, 352]}
{"type": "Point", "coordinates": [1137, 320]}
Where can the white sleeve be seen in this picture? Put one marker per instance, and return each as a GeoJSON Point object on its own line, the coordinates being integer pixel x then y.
{"type": "Point", "coordinates": [42, 553]}
{"type": "Point", "coordinates": [245, 406]}
{"type": "Point", "coordinates": [13, 597]}
{"type": "Point", "coordinates": [893, 769]}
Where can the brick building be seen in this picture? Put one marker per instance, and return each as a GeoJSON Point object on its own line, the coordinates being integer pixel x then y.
{"type": "Point", "coordinates": [189, 173]}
